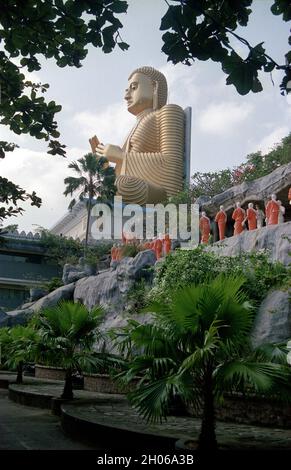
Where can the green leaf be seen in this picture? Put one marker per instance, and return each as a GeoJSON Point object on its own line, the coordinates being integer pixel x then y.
{"type": "Point", "coordinates": [119, 6]}
{"type": "Point", "coordinates": [123, 46]}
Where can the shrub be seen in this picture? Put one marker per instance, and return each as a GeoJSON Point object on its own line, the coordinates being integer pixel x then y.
{"type": "Point", "coordinates": [130, 250]}
{"type": "Point", "coordinates": [182, 268]}
{"type": "Point", "coordinates": [53, 284]}
{"type": "Point", "coordinates": [61, 250]}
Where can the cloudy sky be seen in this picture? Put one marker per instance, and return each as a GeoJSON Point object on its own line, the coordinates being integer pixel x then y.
{"type": "Point", "coordinates": [226, 127]}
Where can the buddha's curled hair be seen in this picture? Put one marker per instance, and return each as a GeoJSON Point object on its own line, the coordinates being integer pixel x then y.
{"type": "Point", "coordinates": [157, 76]}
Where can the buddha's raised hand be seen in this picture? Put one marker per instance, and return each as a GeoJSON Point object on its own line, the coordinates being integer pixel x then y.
{"type": "Point", "coordinates": [94, 141]}
{"type": "Point", "coordinates": [113, 153]}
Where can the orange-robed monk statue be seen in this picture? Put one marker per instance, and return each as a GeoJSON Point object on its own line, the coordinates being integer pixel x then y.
{"type": "Point", "coordinates": [204, 225]}
{"type": "Point", "coordinates": [251, 217]}
{"type": "Point", "coordinates": [221, 219]}
{"type": "Point", "coordinates": [238, 216]}
{"type": "Point", "coordinates": [167, 244]}
{"type": "Point", "coordinates": [272, 211]}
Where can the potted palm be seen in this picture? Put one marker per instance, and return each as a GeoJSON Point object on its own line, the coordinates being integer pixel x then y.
{"type": "Point", "coordinates": [196, 348]}
{"type": "Point", "coordinates": [67, 333]}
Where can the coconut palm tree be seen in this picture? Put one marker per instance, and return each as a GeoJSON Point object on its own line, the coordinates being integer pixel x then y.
{"type": "Point", "coordinates": [94, 181]}
{"type": "Point", "coordinates": [68, 332]}
{"type": "Point", "coordinates": [197, 347]}
{"type": "Point", "coordinates": [21, 343]}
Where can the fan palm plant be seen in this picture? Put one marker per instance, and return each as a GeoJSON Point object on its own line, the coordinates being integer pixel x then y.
{"type": "Point", "coordinates": [68, 332]}
{"type": "Point", "coordinates": [94, 180]}
{"type": "Point", "coordinates": [197, 347]}
{"type": "Point", "coordinates": [21, 343]}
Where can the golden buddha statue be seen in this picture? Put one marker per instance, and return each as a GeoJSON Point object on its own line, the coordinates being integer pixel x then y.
{"type": "Point", "coordinates": [149, 166]}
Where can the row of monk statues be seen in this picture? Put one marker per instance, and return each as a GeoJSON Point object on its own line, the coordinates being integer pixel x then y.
{"type": "Point", "coordinates": [253, 216]}
{"type": "Point", "coordinates": [161, 246]}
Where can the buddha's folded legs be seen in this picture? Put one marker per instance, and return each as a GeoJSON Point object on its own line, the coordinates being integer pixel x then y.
{"type": "Point", "coordinates": [138, 191]}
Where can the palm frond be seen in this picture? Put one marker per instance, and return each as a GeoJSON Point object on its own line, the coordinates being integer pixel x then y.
{"type": "Point", "coordinates": [75, 166]}
{"type": "Point", "coordinates": [261, 376]}
{"type": "Point", "coordinates": [271, 352]}
{"type": "Point", "coordinates": [152, 400]}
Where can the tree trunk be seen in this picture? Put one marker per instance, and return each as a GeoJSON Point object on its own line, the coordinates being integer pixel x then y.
{"type": "Point", "coordinates": [19, 378]}
{"type": "Point", "coordinates": [88, 224]}
{"type": "Point", "coordinates": [207, 439]}
{"type": "Point", "coordinates": [68, 388]}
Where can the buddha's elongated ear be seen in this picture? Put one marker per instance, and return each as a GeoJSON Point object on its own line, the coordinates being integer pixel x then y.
{"type": "Point", "coordinates": [155, 95]}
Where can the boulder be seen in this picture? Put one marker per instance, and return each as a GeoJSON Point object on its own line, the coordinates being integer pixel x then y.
{"type": "Point", "coordinates": [62, 293]}
{"type": "Point", "coordinates": [37, 293]}
{"type": "Point", "coordinates": [273, 320]}
{"type": "Point", "coordinates": [274, 238]}
{"type": "Point", "coordinates": [20, 316]}
{"type": "Point", "coordinates": [111, 287]}
{"type": "Point", "coordinates": [103, 263]}
{"type": "Point", "coordinates": [134, 268]}
{"type": "Point", "coordinates": [16, 317]}
{"type": "Point", "coordinates": [73, 273]}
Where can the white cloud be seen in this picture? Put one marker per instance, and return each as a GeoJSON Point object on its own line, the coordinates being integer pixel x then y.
{"type": "Point", "coordinates": [44, 174]}
{"type": "Point", "coordinates": [223, 118]}
{"type": "Point", "coordinates": [270, 140]}
{"type": "Point", "coordinates": [182, 84]}
{"type": "Point", "coordinates": [111, 125]}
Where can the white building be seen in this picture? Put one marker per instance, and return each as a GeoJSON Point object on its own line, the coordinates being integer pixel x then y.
{"type": "Point", "coordinates": [73, 223]}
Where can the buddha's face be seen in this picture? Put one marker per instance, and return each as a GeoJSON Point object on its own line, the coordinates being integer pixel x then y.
{"type": "Point", "coordinates": [139, 94]}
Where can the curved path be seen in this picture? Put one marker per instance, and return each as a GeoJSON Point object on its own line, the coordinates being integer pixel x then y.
{"type": "Point", "coordinates": [27, 428]}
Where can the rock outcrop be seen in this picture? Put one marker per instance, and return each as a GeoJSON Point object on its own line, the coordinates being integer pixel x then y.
{"type": "Point", "coordinates": [274, 238]}
{"type": "Point", "coordinates": [72, 273]}
{"type": "Point", "coordinates": [111, 287]}
{"type": "Point", "coordinates": [258, 190]}
{"type": "Point", "coordinates": [62, 293]}
{"type": "Point", "coordinates": [273, 320]}
{"type": "Point", "coordinates": [21, 315]}
{"type": "Point", "coordinates": [16, 317]}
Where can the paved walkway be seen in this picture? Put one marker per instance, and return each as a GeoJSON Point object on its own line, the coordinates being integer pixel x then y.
{"type": "Point", "coordinates": [27, 428]}
{"type": "Point", "coordinates": [229, 435]}
{"type": "Point", "coordinates": [113, 410]}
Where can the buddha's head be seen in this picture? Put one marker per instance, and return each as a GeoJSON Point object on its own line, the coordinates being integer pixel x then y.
{"type": "Point", "coordinates": [147, 89]}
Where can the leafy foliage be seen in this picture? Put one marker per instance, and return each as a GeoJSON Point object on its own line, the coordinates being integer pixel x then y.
{"type": "Point", "coordinates": [182, 268]}
{"type": "Point", "coordinates": [137, 297]}
{"type": "Point", "coordinates": [211, 183]}
{"type": "Point", "coordinates": [11, 193]}
{"type": "Point", "coordinates": [197, 347]}
{"type": "Point", "coordinates": [53, 284]}
{"type": "Point", "coordinates": [61, 250]}
{"type": "Point", "coordinates": [59, 30]}
{"type": "Point", "coordinates": [204, 30]}
{"type": "Point", "coordinates": [256, 165]}
{"type": "Point", "coordinates": [130, 250]}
